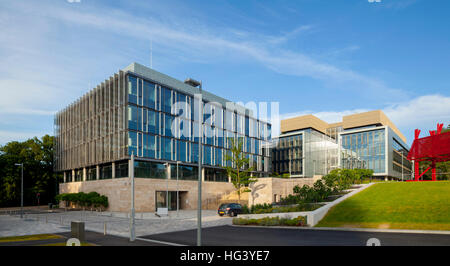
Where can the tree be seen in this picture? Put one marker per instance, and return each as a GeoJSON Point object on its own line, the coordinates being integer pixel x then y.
{"type": "Point", "coordinates": [37, 158]}
{"type": "Point", "coordinates": [238, 167]}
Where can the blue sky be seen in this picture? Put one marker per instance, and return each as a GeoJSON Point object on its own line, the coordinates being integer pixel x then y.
{"type": "Point", "coordinates": [329, 58]}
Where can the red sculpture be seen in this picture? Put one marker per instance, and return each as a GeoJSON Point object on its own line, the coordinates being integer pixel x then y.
{"type": "Point", "coordinates": [434, 148]}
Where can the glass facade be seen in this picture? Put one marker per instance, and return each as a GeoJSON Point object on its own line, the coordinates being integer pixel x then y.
{"type": "Point", "coordinates": [288, 155]}
{"type": "Point", "coordinates": [184, 172]}
{"type": "Point", "coordinates": [130, 114]}
{"type": "Point", "coordinates": [400, 164]}
{"type": "Point", "coordinates": [304, 153]}
{"type": "Point", "coordinates": [364, 150]}
{"type": "Point", "coordinates": [162, 125]}
{"type": "Point", "coordinates": [149, 170]}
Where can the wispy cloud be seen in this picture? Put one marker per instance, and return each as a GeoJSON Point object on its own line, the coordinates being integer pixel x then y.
{"type": "Point", "coordinates": [7, 136]}
{"type": "Point", "coordinates": [216, 43]}
{"type": "Point", "coordinates": [41, 69]}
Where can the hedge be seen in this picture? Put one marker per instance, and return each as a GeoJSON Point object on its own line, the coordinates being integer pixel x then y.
{"type": "Point", "coordinates": [91, 199]}
{"type": "Point", "coordinates": [271, 221]}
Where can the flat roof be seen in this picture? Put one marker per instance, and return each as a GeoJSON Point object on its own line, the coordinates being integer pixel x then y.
{"type": "Point", "coordinates": [355, 121]}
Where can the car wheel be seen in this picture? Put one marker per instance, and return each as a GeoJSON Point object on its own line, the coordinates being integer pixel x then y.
{"type": "Point", "coordinates": [220, 214]}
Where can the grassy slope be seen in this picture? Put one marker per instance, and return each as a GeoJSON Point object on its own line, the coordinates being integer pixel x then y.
{"type": "Point", "coordinates": [400, 205]}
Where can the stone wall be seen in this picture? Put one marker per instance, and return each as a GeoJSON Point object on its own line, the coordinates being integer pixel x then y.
{"type": "Point", "coordinates": [269, 190]}
{"type": "Point", "coordinates": [266, 190]}
{"type": "Point", "coordinates": [119, 195]}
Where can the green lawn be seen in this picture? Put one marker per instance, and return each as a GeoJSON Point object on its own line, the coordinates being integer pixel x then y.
{"type": "Point", "coordinates": [29, 238]}
{"type": "Point", "coordinates": [399, 205]}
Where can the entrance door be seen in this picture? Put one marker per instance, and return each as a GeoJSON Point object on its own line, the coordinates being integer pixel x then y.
{"type": "Point", "coordinates": [162, 200]}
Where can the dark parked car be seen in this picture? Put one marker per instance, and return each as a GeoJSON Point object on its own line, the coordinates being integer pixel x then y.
{"type": "Point", "coordinates": [231, 209]}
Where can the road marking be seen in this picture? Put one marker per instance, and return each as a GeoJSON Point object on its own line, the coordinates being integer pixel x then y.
{"type": "Point", "coordinates": [160, 242]}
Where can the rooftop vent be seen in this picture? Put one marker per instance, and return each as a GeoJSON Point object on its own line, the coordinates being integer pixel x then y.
{"type": "Point", "coordinates": [193, 82]}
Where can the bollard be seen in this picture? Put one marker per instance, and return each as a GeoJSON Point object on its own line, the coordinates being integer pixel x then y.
{"type": "Point", "coordinates": [104, 228]}
{"type": "Point", "coordinates": [77, 230]}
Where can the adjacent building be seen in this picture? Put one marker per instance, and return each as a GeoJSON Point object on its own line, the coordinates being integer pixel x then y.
{"type": "Point", "coordinates": [309, 146]}
{"type": "Point", "coordinates": [155, 117]}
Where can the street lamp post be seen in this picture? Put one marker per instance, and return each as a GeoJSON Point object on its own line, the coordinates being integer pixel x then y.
{"type": "Point", "coordinates": [178, 203]}
{"type": "Point", "coordinates": [21, 190]}
{"type": "Point", "coordinates": [199, 207]}
{"type": "Point", "coordinates": [167, 188]}
{"type": "Point", "coordinates": [132, 223]}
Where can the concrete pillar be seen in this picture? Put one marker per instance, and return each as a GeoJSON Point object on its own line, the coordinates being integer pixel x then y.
{"type": "Point", "coordinates": [229, 179]}
{"type": "Point", "coordinates": [65, 177]}
{"type": "Point", "coordinates": [203, 174]}
{"type": "Point", "coordinates": [73, 175]}
{"type": "Point", "coordinates": [168, 172]}
{"type": "Point", "coordinates": [97, 176]}
{"type": "Point", "coordinates": [113, 170]}
{"type": "Point", "coordinates": [84, 174]}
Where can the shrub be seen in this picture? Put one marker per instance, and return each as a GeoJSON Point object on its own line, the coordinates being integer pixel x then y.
{"type": "Point", "coordinates": [245, 209]}
{"type": "Point", "coordinates": [271, 221]}
{"type": "Point", "coordinates": [334, 182]}
{"type": "Point", "coordinates": [92, 199]}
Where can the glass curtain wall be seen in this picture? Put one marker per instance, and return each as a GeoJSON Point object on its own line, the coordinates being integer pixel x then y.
{"type": "Point", "coordinates": [288, 155]}
{"type": "Point", "coordinates": [162, 126]}
{"type": "Point", "coordinates": [364, 150]}
{"type": "Point", "coordinates": [400, 164]}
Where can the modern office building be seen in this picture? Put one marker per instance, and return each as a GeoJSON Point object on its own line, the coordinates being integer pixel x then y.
{"type": "Point", "coordinates": [155, 117]}
{"type": "Point", "coordinates": [309, 146]}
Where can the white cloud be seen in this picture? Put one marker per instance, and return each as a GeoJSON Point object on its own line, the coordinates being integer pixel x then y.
{"type": "Point", "coordinates": [25, 97]}
{"type": "Point", "coordinates": [7, 136]}
{"type": "Point", "coordinates": [424, 111]}
{"type": "Point", "coordinates": [200, 41]}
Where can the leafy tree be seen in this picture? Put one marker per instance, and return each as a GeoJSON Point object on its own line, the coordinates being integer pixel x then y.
{"type": "Point", "coordinates": [238, 167]}
{"type": "Point", "coordinates": [37, 158]}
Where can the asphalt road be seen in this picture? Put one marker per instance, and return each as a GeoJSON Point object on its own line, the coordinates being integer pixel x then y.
{"type": "Point", "coordinates": [251, 236]}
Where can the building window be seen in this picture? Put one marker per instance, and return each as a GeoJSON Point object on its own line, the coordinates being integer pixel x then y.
{"type": "Point", "coordinates": [121, 170]}
{"type": "Point", "coordinates": [149, 143]}
{"type": "Point", "coordinates": [106, 172]}
{"type": "Point", "coordinates": [149, 95]}
{"type": "Point", "coordinates": [92, 174]}
{"type": "Point", "coordinates": [166, 100]}
{"type": "Point", "coordinates": [215, 175]}
{"type": "Point", "coordinates": [168, 122]}
{"type": "Point", "coordinates": [132, 89]}
{"type": "Point", "coordinates": [149, 170]}
{"type": "Point", "coordinates": [132, 143]}
{"type": "Point", "coordinates": [166, 148]}
{"type": "Point", "coordinates": [194, 153]}
{"type": "Point", "coordinates": [132, 117]}
{"type": "Point", "coordinates": [181, 151]}
{"type": "Point", "coordinates": [184, 172]}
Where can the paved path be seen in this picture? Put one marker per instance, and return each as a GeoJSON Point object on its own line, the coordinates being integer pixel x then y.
{"type": "Point", "coordinates": [14, 226]}
{"type": "Point", "coordinates": [252, 236]}
{"type": "Point", "coordinates": [57, 222]}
